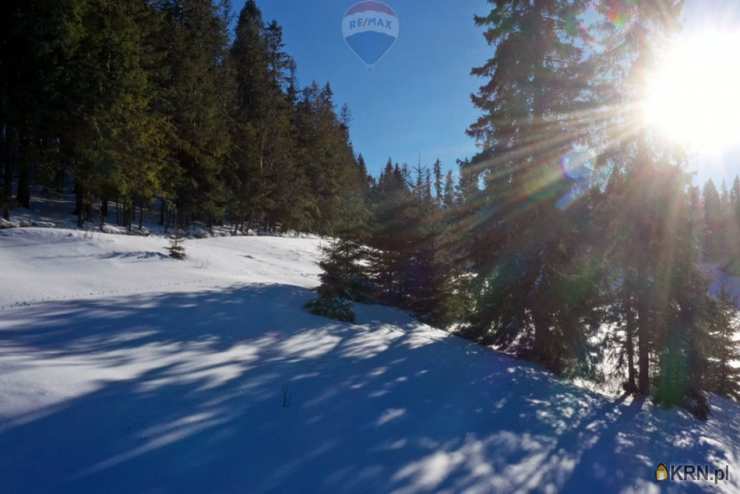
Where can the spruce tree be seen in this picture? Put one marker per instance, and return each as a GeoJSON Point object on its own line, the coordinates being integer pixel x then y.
{"type": "Point", "coordinates": [438, 191]}
{"type": "Point", "coordinates": [651, 239]}
{"type": "Point", "coordinates": [723, 375]}
{"type": "Point", "coordinates": [177, 247]}
{"type": "Point", "coordinates": [448, 194]}
{"type": "Point", "coordinates": [532, 76]}
{"type": "Point", "coordinates": [735, 218]}
{"type": "Point", "coordinates": [38, 41]}
{"type": "Point", "coordinates": [366, 180]}
{"type": "Point", "coordinates": [196, 104]}
{"type": "Point", "coordinates": [713, 221]}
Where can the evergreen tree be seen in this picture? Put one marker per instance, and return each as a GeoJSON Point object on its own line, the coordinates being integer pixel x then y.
{"type": "Point", "coordinates": [196, 103]}
{"type": "Point", "coordinates": [713, 221]}
{"type": "Point", "coordinates": [391, 208]}
{"type": "Point", "coordinates": [344, 271]}
{"type": "Point", "coordinates": [438, 191]}
{"type": "Point", "coordinates": [652, 231]}
{"type": "Point", "coordinates": [448, 194]}
{"type": "Point", "coordinates": [150, 100]}
{"type": "Point", "coordinates": [248, 57]}
{"type": "Point", "coordinates": [38, 41]}
{"type": "Point", "coordinates": [270, 188]}
{"type": "Point", "coordinates": [326, 152]}
{"type": "Point", "coordinates": [366, 180]}
{"type": "Point", "coordinates": [723, 349]}
{"type": "Point", "coordinates": [735, 214]}
{"type": "Point", "coordinates": [533, 75]}
{"type": "Point", "coordinates": [176, 247]}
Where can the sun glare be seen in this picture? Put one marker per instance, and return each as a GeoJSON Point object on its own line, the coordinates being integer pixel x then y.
{"type": "Point", "coordinates": [693, 96]}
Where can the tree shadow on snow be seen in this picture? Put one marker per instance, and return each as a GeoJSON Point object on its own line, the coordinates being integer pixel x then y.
{"type": "Point", "coordinates": [242, 391]}
{"type": "Point", "coordinates": [137, 256]}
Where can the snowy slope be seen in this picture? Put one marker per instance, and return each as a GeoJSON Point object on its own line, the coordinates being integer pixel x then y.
{"type": "Point", "coordinates": [122, 371]}
{"type": "Point", "coordinates": [51, 264]}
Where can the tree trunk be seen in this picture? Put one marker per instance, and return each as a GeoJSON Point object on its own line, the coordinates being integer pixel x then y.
{"type": "Point", "coordinates": [141, 215]}
{"type": "Point", "coordinates": [59, 179]}
{"type": "Point", "coordinates": [643, 349]}
{"type": "Point", "coordinates": [23, 193]}
{"type": "Point", "coordinates": [7, 190]}
{"type": "Point", "coordinates": [541, 333]}
{"type": "Point", "coordinates": [79, 203]}
{"type": "Point", "coordinates": [103, 212]}
{"type": "Point", "coordinates": [128, 214]}
{"type": "Point", "coordinates": [630, 346]}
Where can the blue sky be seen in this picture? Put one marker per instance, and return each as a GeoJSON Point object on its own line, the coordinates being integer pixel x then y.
{"type": "Point", "coordinates": [416, 101]}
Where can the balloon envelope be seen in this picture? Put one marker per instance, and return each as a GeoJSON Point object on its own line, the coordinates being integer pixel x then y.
{"type": "Point", "coordinates": [370, 29]}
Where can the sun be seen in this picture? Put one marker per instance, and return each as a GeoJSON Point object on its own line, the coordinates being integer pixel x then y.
{"type": "Point", "coordinates": [693, 95]}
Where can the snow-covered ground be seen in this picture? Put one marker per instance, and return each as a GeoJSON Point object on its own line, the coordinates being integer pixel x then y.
{"type": "Point", "coordinates": [45, 264]}
{"type": "Point", "coordinates": [720, 280]}
{"type": "Point", "coordinates": [123, 371]}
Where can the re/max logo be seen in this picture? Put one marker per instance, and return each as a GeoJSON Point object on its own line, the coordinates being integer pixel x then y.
{"type": "Point", "coordinates": [693, 472]}
{"type": "Point", "coordinates": [364, 22]}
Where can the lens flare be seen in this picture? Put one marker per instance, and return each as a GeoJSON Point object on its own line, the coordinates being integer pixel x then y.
{"type": "Point", "coordinates": [578, 164]}
{"type": "Point", "coordinates": [693, 96]}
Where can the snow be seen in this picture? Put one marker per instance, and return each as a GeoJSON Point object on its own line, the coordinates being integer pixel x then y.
{"type": "Point", "coordinates": [720, 280]}
{"type": "Point", "coordinates": [52, 264]}
{"type": "Point", "coordinates": [122, 370]}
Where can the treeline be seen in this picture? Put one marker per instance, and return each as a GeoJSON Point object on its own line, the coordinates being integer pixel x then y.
{"type": "Point", "coordinates": [154, 103]}
{"type": "Point", "coordinates": [721, 223]}
{"type": "Point", "coordinates": [575, 232]}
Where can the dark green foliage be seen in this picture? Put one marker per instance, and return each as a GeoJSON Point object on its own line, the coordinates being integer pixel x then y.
{"type": "Point", "coordinates": [177, 247]}
{"type": "Point", "coordinates": [448, 193]}
{"type": "Point", "coordinates": [721, 223]}
{"type": "Point", "coordinates": [722, 349]}
{"type": "Point", "coordinates": [735, 203]}
{"type": "Point", "coordinates": [714, 224]}
{"type": "Point", "coordinates": [264, 180]}
{"type": "Point", "coordinates": [343, 273]}
{"type": "Point", "coordinates": [399, 252]}
{"type": "Point", "coordinates": [518, 244]}
{"type": "Point", "coordinates": [545, 276]}
{"type": "Point", "coordinates": [195, 98]}
{"type": "Point", "coordinates": [142, 100]}
{"type": "Point", "coordinates": [332, 308]}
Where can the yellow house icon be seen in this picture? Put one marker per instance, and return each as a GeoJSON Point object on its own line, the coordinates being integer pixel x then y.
{"type": "Point", "coordinates": [661, 473]}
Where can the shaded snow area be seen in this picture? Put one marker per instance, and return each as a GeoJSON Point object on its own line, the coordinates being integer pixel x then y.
{"type": "Point", "coordinates": [122, 371]}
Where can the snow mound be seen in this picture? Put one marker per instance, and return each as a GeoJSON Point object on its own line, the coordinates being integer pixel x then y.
{"type": "Point", "coordinates": [131, 372]}
{"type": "Point", "coordinates": [7, 224]}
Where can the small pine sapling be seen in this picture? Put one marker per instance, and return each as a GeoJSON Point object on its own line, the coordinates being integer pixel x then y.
{"type": "Point", "coordinates": [177, 247]}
